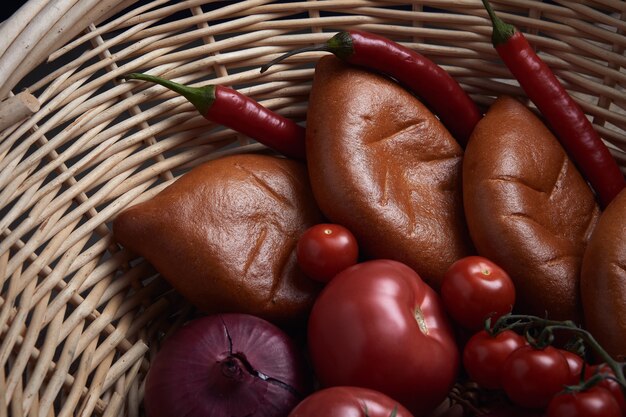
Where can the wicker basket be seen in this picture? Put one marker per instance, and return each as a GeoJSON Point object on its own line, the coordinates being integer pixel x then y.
{"type": "Point", "coordinates": [80, 317]}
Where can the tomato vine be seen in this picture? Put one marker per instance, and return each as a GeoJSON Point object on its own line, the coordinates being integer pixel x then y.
{"type": "Point", "coordinates": [540, 332]}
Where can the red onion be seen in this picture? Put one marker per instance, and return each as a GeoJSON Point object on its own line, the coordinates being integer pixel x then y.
{"type": "Point", "coordinates": [227, 365]}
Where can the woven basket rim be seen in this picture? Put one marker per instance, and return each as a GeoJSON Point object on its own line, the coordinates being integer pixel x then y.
{"type": "Point", "coordinates": [80, 317]}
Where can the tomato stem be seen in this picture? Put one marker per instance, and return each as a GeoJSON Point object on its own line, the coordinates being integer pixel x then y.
{"type": "Point", "coordinates": [590, 382]}
{"type": "Point", "coordinates": [366, 412]}
{"type": "Point", "coordinates": [546, 329]}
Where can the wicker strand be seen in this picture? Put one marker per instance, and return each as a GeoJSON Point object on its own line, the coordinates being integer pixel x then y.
{"type": "Point", "coordinates": [13, 27]}
{"type": "Point", "coordinates": [105, 28]}
{"type": "Point", "coordinates": [17, 108]}
{"type": "Point", "coordinates": [68, 18]}
{"type": "Point", "coordinates": [80, 317]}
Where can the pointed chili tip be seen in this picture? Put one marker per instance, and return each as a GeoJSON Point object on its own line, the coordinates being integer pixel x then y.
{"type": "Point", "coordinates": [502, 31]}
{"type": "Point", "coordinates": [126, 77]}
{"type": "Point", "coordinates": [313, 48]}
{"type": "Point", "coordinates": [201, 97]}
{"type": "Point", "coordinates": [339, 45]}
{"type": "Point", "coordinates": [136, 76]}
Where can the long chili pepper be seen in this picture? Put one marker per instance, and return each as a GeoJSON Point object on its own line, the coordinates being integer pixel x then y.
{"type": "Point", "coordinates": [429, 81]}
{"type": "Point", "coordinates": [227, 107]}
{"type": "Point", "coordinates": [563, 114]}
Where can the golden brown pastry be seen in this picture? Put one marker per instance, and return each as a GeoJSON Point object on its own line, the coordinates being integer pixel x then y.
{"type": "Point", "coordinates": [603, 279]}
{"type": "Point", "coordinates": [224, 235]}
{"type": "Point", "coordinates": [528, 209]}
{"type": "Point", "coordinates": [383, 165]}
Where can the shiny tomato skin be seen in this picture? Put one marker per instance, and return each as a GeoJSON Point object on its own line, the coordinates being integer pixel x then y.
{"type": "Point", "coordinates": [348, 402]}
{"type": "Point", "coordinates": [378, 325]}
{"type": "Point", "coordinates": [473, 289]}
{"type": "Point", "coordinates": [608, 383]}
{"type": "Point", "coordinates": [575, 363]}
{"type": "Point", "coordinates": [531, 377]}
{"type": "Point", "coordinates": [326, 249]}
{"type": "Point", "coordinates": [594, 402]}
{"type": "Point", "coordinates": [484, 355]}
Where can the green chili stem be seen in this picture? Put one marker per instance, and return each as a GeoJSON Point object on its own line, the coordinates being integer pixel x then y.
{"type": "Point", "coordinates": [201, 97]}
{"type": "Point", "coordinates": [340, 45]}
{"type": "Point", "coordinates": [314, 48]}
{"type": "Point", "coordinates": [502, 31]}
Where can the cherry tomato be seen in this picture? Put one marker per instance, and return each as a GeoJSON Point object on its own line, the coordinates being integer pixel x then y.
{"type": "Point", "coordinates": [608, 383]}
{"type": "Point", "coordinates": [575, 363]}
{"type": "Point", "coordinates": [473, 289]}
{"type": "Point", "coordinates": [484, 356]}
{"type": "Point", "coordinates": [348, 402]}
{"type": "Point", "coordinates": [531, 377]}
{"type": "Point", "coordinates": [594, 402]}
{"type": "Point", "coordinates": [378, 325]}
{"type": "Point", "coordinates": [326, 249]}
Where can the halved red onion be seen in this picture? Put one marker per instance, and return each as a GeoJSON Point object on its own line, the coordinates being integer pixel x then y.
{"type": "Point", "coordinates": [226, 365]}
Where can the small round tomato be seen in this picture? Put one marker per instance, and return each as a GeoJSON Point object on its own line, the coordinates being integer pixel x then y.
{"type": "Point", "coordinates": [594, 402]}
{"type": "Point", "coordinates": [326, 249]}
{"type": "Point", "coordinates": [349, 402]}
{"type": "Point", "coordinates": [484, 354]}
{"type": "Point", "coordinates": [612, 385]}
{"type": "Point", "coordinates": [474, 289]}
{"type": "Point", "coordinates": [531, 376]}
{"type": "Point", "coordinates": [575, 363]}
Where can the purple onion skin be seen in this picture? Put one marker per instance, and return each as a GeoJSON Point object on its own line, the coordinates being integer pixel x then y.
{"type": "Point", "coordinates": [226, 365]}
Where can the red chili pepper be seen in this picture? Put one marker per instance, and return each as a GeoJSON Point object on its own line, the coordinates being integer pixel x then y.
{"type": "Point", "coordinates": [429, 81]}
{"type": "Point", "coordinates": [232, 109]}
{"type": "Point", "coordinates": [564, 115]}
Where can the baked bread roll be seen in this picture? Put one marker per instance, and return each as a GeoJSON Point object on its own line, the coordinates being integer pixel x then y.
{"type": "Point", "coordinates": [528, 208]}
{"type": "Point", "coordinates": [224, 236]}
{"type": "Point", "coordinates": [383, 165]}
{"type": "Point", "coordinates": [603, 279]}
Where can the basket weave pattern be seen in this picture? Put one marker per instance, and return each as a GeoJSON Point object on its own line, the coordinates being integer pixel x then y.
{"type": "Point", "coordinates": [81, 317]}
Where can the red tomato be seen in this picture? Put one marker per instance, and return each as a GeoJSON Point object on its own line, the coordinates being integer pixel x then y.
{"type": "Point", "coordinates": [348, 402]}
{"type": "Point", "coordinates": [326, 249]}
{"type": "Point", "coordinates": [484, 356]}
{"type": "Point", "coordinates": [378, 325]}
{"type": "Point", "coordinates": [594, 402]}
{"type": "Point", "coordinates": [473, 289]}
{"type": "Point", "coordinates": [575, 363]}
{"type": "Point", "coordinates": [531, 377]}
{"type": "Point", "coordinates": [610, 384]}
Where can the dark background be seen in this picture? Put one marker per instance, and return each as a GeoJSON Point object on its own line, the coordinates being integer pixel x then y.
{"type": "Point", "coordinates": [10, 7]}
